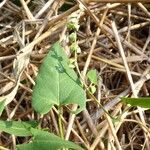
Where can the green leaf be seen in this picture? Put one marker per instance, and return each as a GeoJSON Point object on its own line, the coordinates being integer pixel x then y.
{"type": "Point", "coordinates": [142, 102]}
{"type": "Point", "coordinates": [92, 75]}
{"type": "Point", "coordinates": [2, 106]}
{"type": "Point", "coordinates": [74, 47]}
{"type": "Point", "coordinates": [56, 83]}
{"type": "Point", "coordinates": [47, 141]}
{"type": "Point", "coordinates": [73, 37]}
{"type": "Point", "coordinates": [17, 128]}
{"type": "Point", "coordinates": [92, 89]}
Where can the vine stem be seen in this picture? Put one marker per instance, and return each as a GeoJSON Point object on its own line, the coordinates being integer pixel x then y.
{"type": "Point", "coordinates": [87, 89]}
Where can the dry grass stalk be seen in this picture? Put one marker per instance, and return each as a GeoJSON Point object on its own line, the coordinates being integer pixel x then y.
{"type": "Point", "coordinates": [27, 33]}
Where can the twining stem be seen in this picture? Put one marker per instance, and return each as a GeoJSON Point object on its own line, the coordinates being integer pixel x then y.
{"type": "Point", "coordinates": [60, 123]}
{"type": "Point", "coordinates": [88, 91]}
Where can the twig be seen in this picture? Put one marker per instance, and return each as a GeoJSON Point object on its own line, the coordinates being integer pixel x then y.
{"type": "Point", "coordinates": [115, 1]}
{"type": "Point", "coordinates": [123, 56]}
{"type": "Point", "coordinates": [93, 45]}
{"type": "Point", "coordinates": [44, 8]}
{"type": "Point", "coordinates": [3, 3]}
{"type": "Point", "coordinates": [28, 12]}
{"type": "Point", "coordinates": [113, 132]}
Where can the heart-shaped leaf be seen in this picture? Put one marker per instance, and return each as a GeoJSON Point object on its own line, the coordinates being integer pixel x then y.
{"type": "Point", "coordinates": [56, 83]}
{"type": "Point", "coordinates": [17, 128]}
{"type": "Point", "coordinates": [44, 140]}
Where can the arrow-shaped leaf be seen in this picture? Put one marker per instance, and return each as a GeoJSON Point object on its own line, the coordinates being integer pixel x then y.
{"type": "Point", "coordinates": [56, 83]}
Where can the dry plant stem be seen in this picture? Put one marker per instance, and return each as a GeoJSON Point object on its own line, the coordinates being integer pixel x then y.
{"type": "Point", "coordinates": [3, 58]}
{"type": "Point", "coordinates": [99, 89]}
{"type": "Point", "coordinates": [90, 122]}
{"type": "Point", "coordinates": [138, 122]}
{"type": "Point", "coordinates": [95, 19]}
{"type": "Point", "coordinates": [98, 137]}
{"type": "Point", "coordinates": [46, 19]}
{"type": "Point", "coordinates": [107, 6]}
{"type": "Point", "coordinates": [106, 28]}
{"type": "Point", "coordinates": [21, 85]}
{"type": "Point", "coordinates": [9, 97]}
{"type": "Point", "coordinates": [44, 8]}
{"type": "Point", "coordinates": [51, 21]}
{"type": "Point", "coordinates": [143, 126]}
{"type": "Point", "coordinates": [142, 7]}
{"type": "Point", "coordinates": [123, 57]}
{"type": "Point", "coordinates": [27, 48]}
{"type": "Point", "coordinates": [16, 107]}
{"type": "Point", "coordinates": [129, 23]}
{"type": "Point", "coordinates": [108, 62]}
{"type": "Point", "coordinates": [73, 131]}
{"type": "Point", "coordinates": [147, 42]}
{"type": "Point", "coordinates": [132, 16]}
{"type": "Point", "coordinates": [115, 1]}
{"type": "Point", "coordinates": [71, 121]}
{"type": "Point", "coordinates": [93, 46]}
{"type": "Point", "coordinates": [127, 68]}
{"type": "Point", "coordinates": [129, 45]}
{"type": "Point", "coordinates": [123, 70]}
{"type": "Point", "coordinates": [104, 129]}
{"type": "Point", "coordinates": [138, 84]}
{"type": "Point", "coordinates": [82, 132]}
{"type": "Point", "coordinates": [62, 16]}
{"type": "Point", "coordinates": [117, 66]}
{"type": "Point", "coordinates": [28, 12]}
{"type": "Point", "coordinates": [134, 27]}
{"type": "Point", "coordinates": [3, 3]}
{"type": "Point", "coordinates": [92, 127]}
{"type": "Point", "coordinates": [54, 121]}
{"type": "Point", "coordinates": [24, 113]}
{"type": "Point", "coordinates": [3, 148]}
{"type": "Point", "coordinates": [86, 114]}
{"type": "Point", "coordinates": [130, 59]}
{"type": "Point", "coordinates": [14, 141]}
{"type": "Point", "coordinates": [29, 77]}
{"type": "Point", "coordinates": [109, 144]}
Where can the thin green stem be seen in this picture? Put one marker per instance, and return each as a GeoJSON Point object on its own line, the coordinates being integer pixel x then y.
{"type": "Point", "coordinates": [88, 91]}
